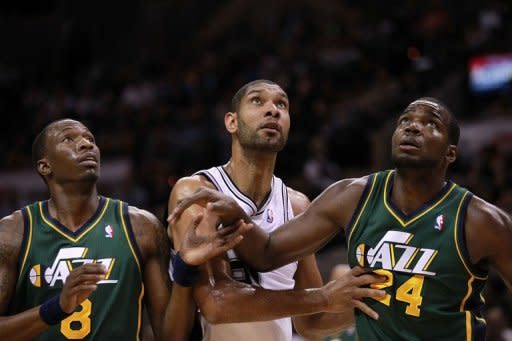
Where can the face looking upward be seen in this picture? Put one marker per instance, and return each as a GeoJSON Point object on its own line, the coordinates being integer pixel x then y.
{"type": "Point", "coordinates": [421, 137]}
{"type": "Point", "coordinates": [71, 153]}
{"type": "Point", "coordinates": [262, 121]}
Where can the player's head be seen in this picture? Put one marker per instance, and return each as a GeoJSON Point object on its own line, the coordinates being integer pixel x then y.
{"type": "Point", "coordinates": [65, 151]}
{"type": "Point", "coordinates": [426, 135]}
{"type": "Point", "coordinates": [259, 118]}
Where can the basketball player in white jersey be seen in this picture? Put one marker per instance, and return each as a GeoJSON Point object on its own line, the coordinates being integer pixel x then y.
{"type": "Point", "coordinates": [235, 302]}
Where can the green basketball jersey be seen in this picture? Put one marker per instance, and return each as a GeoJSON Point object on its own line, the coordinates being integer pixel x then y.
{"type": "Point", "coordinates": [50, 252]}
{"type": "Point", "coordinates": [433, 291]}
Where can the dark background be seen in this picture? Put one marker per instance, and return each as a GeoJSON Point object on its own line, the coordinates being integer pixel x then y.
{"type": "Point", "coordinates": [153, 79]}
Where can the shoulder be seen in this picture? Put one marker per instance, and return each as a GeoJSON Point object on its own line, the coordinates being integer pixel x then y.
{"type": "Point", "coordinates": [12, 224]}
{"type": "Point", "coordinates": [11, 235]}
{"type": "Point", "coordinates": [143, 218]}
{"type": "Point", "coordinates": [339, 201]}
{"type": "Point", "coordinates": [487, 227]}
{"type": "Point", "coordinates": [298, 200]}
{"type": "Point", "coordinates": [484, 215]}
{"type": "Point", "coordinates": [187, 185]}
{"type": "Point", "coordinates": [147, 230]}
{"type": "Point", "coordinates": [349, 187]}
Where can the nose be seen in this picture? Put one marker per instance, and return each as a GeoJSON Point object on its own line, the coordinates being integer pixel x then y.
{"type": "Point", "coordinates": [85, 143]}
{"type": "Point", "coordinates": [413, 127]}
{"type": "Point", "coordinates": [272, 110]}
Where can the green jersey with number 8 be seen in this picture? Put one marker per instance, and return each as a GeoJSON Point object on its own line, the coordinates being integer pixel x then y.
{"type": "Point", "coordinates": [433, 292]}
{"type": "Point", "coordinates": [50, 251]}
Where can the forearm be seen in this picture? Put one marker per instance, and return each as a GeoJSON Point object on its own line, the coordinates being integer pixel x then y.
{"type": "Point", "coordinates": [23, 326]}
{"type": "Point", "coordinates": [179, 314]}
{"type": "Point", "coordinates": [231, 301]}
{"type": "Point", "coordinates": [321, 325]}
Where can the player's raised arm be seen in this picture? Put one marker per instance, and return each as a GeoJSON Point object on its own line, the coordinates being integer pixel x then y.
{"type": "Point", "coordinates": [301, 236]}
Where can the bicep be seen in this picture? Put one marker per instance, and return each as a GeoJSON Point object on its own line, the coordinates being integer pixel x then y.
{"type": "Point", "coordinates": [307, 274]}
{"type": "Point", "coordinates": [489, 237]}
{"type": "Point", "coordinates": [183, 188]}
{"type": "Point", "coordinates": [501, 253]}
{"type": "Point", "coordinates": [155, 249]}
{"type": "Point", "coordinates": [10, 243]}
{"type": "Point", "coordinates": [7, 281]}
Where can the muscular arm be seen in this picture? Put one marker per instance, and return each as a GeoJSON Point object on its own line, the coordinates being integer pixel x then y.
{"type": "Point", "coordinates": [223, 299]}
{"type": "Point", "coordinates": [489, 237]}
{"type": "Point", "coordinates": [155, 248]}
{"type": "Point", "coordinates": [27, 324]}
{"type": "Point", "coordinates": [328, 214]}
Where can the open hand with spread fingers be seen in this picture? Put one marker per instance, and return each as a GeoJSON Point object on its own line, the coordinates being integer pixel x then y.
{"type": "Point", "coordinates": [347, 292]}
{"type": "Point", "coordinates": [199, 246]}
{"type": "Point", "coordinates": [222, 205]}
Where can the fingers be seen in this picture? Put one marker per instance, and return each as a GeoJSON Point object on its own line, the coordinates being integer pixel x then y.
{"type": "Point", "coordinates": [200, 196]}
{"type": "Point", "coordinates": [369, 278]}
{"type": "Point", "coordinates": [87, 273]}
{"type": "Point", "coordinates": [370, 293]}
{"type": "Point", "coordinates": [80, 283]}
{"type": "Point", "coordinates": [357, 271]}
{"type": "Point", "coordinates": [365, 309]}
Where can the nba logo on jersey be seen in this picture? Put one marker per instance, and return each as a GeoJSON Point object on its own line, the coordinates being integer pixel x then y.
{"type": "Point", "coordinates": [109, 232]}
{"type": "Point", "coordinates": [270, 215]}
{"type": "Point", "coordinates": [439, 222]}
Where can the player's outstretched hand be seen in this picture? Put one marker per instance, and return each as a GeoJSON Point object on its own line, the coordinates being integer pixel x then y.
{"type": "Point", "coordinates": [197, 248]}
{"type": "Point", "coordinates": [346, 293]}
{"type": "Point", "coordinates": [219, 203]}
{"type": "Point", "coordinates": [80, 283]}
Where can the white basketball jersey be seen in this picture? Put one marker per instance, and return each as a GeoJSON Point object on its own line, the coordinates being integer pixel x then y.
{"type": "Point", "coordinates": [276, 210]}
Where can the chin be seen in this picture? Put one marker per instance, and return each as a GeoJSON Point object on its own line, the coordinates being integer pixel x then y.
{"type": "Point", "coordinates": [411, 163]}
{"type": "Point", "coordinates": [91, 176]}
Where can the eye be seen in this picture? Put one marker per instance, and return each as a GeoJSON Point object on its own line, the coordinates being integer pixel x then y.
{"type": "Point", "coordinates": [282, 105]}
{"type": "Point", "coordinates": [90, 139]}
{"type": "Point", "coordinates": [67, 139]}
{"type": "Point", "coordinates": [432, 124]}
{"type": "Point", "coordinates": [403, 120]}
{"type": "Point", "coordinates": [256, 100]}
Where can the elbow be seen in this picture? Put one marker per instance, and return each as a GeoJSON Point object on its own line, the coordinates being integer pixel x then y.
{"type": "Point", "coordinates": [304, 328]}
{"type": "Point", "coordinates": [210, 312]}
{"type": "Point", "coordinates": [214, 307]}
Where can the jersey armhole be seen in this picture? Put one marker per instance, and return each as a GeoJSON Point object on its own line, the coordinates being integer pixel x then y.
{"type": "Point", "coordinates": [26, 239]}
{"type": "Point", "coordinates": [361, 205]}
{"type": "Point", "coordinates": [210, 178]}
{"type": "Point", "coordinates": [130, 237]}
{"type": "Point", "coordinates": [460, 239]}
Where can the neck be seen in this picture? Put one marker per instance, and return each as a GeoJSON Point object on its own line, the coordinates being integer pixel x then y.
{"type": "Point", "coordinates": [72, 207]}
{"type": "Point", "coordinates": [252, 172]}
{"type": "Point", "coordinates": [412, 187]}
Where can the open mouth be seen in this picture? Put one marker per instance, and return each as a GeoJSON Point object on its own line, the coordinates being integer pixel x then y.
{"type": "Point", "coordinates": [272, 126]}
{"type": "Point", "coordinates": [88, 158]}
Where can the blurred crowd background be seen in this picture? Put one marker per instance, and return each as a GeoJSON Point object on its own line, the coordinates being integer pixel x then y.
{"type": "Point", "coordinates": [153, 80]}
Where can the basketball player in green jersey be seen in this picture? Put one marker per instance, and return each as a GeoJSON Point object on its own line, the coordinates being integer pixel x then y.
{"type": "Point", "coordinates": [433, 240]}
{"type": "Point", "coordinates": [80, 266]}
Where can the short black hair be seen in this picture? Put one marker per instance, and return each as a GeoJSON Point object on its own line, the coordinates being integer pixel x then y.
{"type": "Point", "coordinates": [237, 98]}
{"type": "Point", "coordinates": [453, 124]}
{"type": "Point", "coordinates": [39, 144]}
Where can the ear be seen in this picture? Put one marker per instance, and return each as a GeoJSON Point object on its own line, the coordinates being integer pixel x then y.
{"type": "Point", "coordinates": [451, 153]}
{"type": "Point", "coordinates": [231, 122]}
{"type": "Point", "coordinates": [43, 167]}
